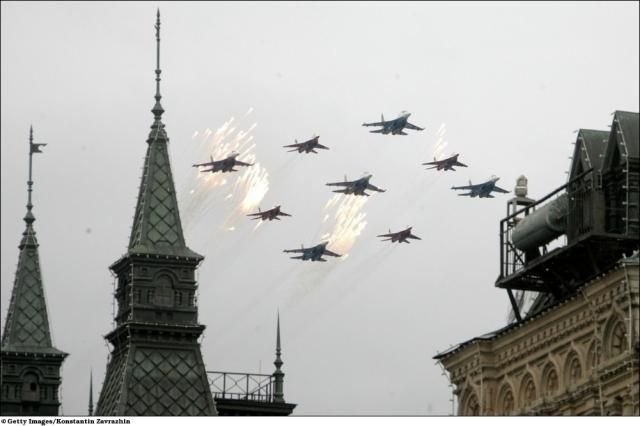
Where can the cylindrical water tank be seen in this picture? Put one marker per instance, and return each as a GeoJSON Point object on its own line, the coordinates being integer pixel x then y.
{"type": "Point", "coordinates": [542, 226]}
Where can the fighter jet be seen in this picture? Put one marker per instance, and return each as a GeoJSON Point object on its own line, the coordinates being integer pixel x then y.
{"type": "Point", "coordinates": [482, 190]}
{"type": "Point", "coordinates": [226, 165]}
{"type": "Point", "coordinates": [268, 214]}
{"type": "Point", "coordinates": [308, 146]}
{"type": "Point", "coordinates": [446, 164]}
{"type": "Point", "coordinates": [356, 187]}
{"type": "Point", "coordinates": [313, 253]}
{"type": "Point", "coordinates": [400, 236]}
{"type": "Point", "coordinates": [395, 126]}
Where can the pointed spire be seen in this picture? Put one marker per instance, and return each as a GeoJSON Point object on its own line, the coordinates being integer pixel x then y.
{"type": "Point", "coordinates": [278, 375]}
{"type": "Point", "coordinates": [91, 392]}
{"type": "Point", "coordinates": [27, 325]}
{"type": "Point", "coordinates": [156, 227]}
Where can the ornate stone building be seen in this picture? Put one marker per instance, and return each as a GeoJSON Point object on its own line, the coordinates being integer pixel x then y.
{"type": "Point", "coordinates": [156, 366]}
{"type": "Point", "coordinates": [576, 350]}
{"type": "Point", "coordinates": [29, 363]}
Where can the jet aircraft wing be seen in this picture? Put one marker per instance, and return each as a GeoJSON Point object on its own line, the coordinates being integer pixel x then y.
{"type": "Point", "coordinates": [330, 253]}
{"type": "Point", "coordinates": [412, 126]}
{"type": "Point", "coordinates": [208, 163]}
{"type": "Point", "coordinates": [392, 234]}
{"type": "Point", "coordinates": [294, 145]}
{"type": "Point", "coordinates": [498, 189]}
{"type": "Point", "coordinates": [300, 250]}
{"type": "Point", "coordinates": [240, 163]}
{"type": "Point", "coordinates": [374, 188]}
{"type": "Point", "coordinates": [339, 184]}
{"type": "Point", "coordinates": [465, 187]}
{"type": "Point", "coordinates": [377, 123]}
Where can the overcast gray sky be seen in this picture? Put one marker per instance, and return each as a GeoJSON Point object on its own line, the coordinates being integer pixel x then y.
{"type": "Point", "coordinates": [504, 84]}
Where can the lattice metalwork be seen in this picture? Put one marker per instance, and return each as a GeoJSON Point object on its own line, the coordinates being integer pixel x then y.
{"type": "Point", "coordinates": [252, 387]}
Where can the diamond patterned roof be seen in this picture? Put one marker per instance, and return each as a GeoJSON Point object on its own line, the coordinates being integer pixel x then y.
{"type": "Point", "coordinates": [27, 325]}
{"type": "Point", "coordinates": [159, 382]}
{"type": "Point", "coordinates": [157, 228]}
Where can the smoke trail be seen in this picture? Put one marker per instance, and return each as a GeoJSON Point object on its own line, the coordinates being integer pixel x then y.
{"type": "Point", "coordinates": [347, 224]}
{"type": "Point", "coordinates": [240, 192]}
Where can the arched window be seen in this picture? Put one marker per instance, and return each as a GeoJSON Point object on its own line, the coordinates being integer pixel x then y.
{"type": "Point", "coordinates": [469, 405]}
{"type": "Point", "coordinates": [618, 339]}
{"type": "Point", "coordinates": [164, 296]}
{"type": "Point", "coordinates": [30, 387]}
{"type": "Point", "coordinates": [506, 403]}
{"type": "Point", "coordinates": [473, 408]}
{"type": "Point", "coordinates": [549, 380]}
{"type": "Point", "coordinates": [573, 372]}
{"type": "Point", "coordinates": [527, 391]}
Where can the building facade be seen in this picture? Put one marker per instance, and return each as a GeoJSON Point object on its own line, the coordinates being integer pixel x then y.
{"type": "Point", "coordinates": [574, 358]}
{"type": "Point", "coordinates": [576, 350]}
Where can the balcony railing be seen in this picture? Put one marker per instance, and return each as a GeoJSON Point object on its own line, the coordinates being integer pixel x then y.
{"type": "Point", "coordinates": [241, 386]}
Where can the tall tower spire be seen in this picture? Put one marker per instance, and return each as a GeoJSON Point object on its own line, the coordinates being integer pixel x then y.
{"type": "Point", "coordinates": [157, 228]}
{"type": "Point", "coordinates": [30, 363]}
{"type": "Point", "coordinates": [91, 393]}
{"type": "Point", "coordinates": [156, 366]}
{"type": "Point", "coordinates": [278, 375]}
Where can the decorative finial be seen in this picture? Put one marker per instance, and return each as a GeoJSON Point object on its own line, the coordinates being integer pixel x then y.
{"type": "Point", "coordinates": [157, 108]}
{"type": "Point", "coordinates": [278, 375]}
{"type": "Point", "coordinates": [91, 392]}
{"type": "Point", "coordinates": [278, 348]}
{"type": "Point", "coordinates": [34, 148]}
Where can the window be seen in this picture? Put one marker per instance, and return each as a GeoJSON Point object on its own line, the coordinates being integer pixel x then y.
{"type": "Point", "coordinates": [528, 391]}
{"type": "Point", "coordinates": [618, 339]}
{"type": "Point", "coordinates": [164, 284]}
{"type": "Point", "coordinates": [506, 403]}
{"type": "Point", "coordinates": [30, 388]}
{"type": "Point", "coordinates": [150, 296]}
{"type": "Point", "coordinates": [550, 380]}
{"type": "Point", "coordinates": [574, 369]}
{"type": "Point", "coordinates": [43, 393]}
{"type": "Point", "coordinates": [472, 407]}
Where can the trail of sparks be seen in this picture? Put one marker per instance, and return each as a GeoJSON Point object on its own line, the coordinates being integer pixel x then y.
{"type": "Point", "coordinates": [348, 222]}
{"type": "Point", "coordinates": [441, 143]}
{"type": "Point", "coordinates": [244, 189]}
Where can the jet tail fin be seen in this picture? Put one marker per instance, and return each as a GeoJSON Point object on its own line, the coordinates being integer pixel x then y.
{"type": "Point", "coordinates": [381, 117]}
